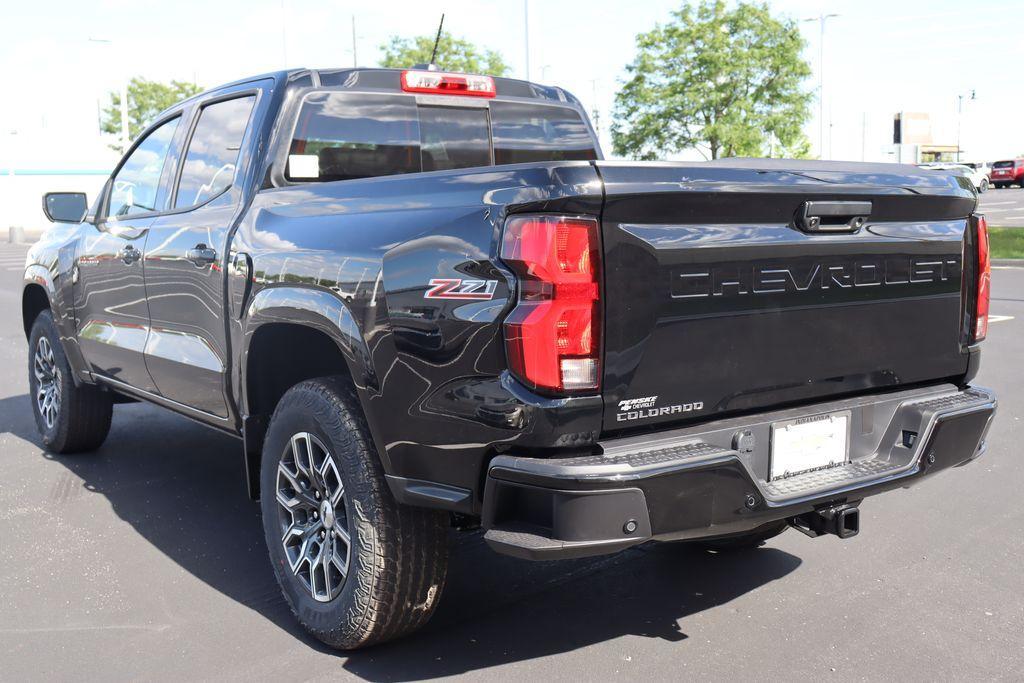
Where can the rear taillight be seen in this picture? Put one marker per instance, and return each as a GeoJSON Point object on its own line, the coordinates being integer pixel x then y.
{"type": "Point", "coordinates": [984, 284]}
{"type": "Point", "coordinates": [553, 334]}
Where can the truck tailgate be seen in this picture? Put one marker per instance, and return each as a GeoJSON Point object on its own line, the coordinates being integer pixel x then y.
{"type": "Point", "coordinates": [717, 302]}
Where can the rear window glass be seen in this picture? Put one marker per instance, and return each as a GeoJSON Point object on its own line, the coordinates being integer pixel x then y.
{"type": "Point", "coordinates": [453, 138]}
{"type": "Point", "coordinates": [526, 132]}
{"type": "Point", "coordinates": [343, 136]}
{"type": "Point", "coordinates": [1003, 164]}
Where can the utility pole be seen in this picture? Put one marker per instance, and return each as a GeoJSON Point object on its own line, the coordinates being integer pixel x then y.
{"type": "Point", "coordinates": [526, 34]}
{"type": "Point", "coordinates": [821, 19]}
{"type": "Point", "coordinates": [355, 58]}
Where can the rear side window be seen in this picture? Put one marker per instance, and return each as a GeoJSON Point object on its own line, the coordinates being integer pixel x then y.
{"type": "Point", "coordinates": [213, 151]}
{"type": "Point", "coordinates": [134, 188]}
{"type": "Point", "coordinates": [531, 133]}
{"type": "Point", "coordinates": [343, 136]}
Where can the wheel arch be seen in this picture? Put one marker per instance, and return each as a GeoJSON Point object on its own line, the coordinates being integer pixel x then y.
{"type": "Point", "coordinates": [34, 300]}
{"type": "Point", "coordinates": [293, 334]}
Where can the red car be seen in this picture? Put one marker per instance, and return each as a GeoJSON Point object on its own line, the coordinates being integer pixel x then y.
{"type": "Point", "coordinates": [1006, 172]}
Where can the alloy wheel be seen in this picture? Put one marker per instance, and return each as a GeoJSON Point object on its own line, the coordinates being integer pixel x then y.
{"type": "Point", "coordinates": [48, 381]}
{"type": "Point", "coordinates": [311, 511]}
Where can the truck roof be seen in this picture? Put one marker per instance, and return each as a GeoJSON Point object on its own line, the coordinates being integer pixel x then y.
{"type": "Point", "coordinates": [388, 80]}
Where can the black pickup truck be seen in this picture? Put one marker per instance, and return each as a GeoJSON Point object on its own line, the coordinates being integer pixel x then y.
{"type": "Point", "coordinates": [424, 300]}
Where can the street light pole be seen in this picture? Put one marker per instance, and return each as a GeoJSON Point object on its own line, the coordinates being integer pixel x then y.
{"type": "Point", "coordinates": [526, 34]}
{"type": "Point", "coordinates": [821, 19]}
{"type": "Point", "coordinates": [355, 58]}
{"type": "Point", "coordinates": [959, 115]}
{"type": "Point", "coordinates": [284, 35]}
{"type": "Point", "coordinates": [125, 136]}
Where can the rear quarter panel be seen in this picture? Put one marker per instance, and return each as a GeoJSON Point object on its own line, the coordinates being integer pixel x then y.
{"type": "Point", "coordinates": [430, 372]}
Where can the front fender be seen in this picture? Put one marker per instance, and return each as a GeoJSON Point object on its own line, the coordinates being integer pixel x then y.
{"type": "Point", "coordinates": [59, 301]}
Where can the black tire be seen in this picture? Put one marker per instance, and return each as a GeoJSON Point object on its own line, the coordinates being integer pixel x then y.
{"type": "Point", "coordinates": [397, 556]}
{"type": "Point", "coordinates": [753, 539]}
{"type": "Point", "coordinates": [70, 419]}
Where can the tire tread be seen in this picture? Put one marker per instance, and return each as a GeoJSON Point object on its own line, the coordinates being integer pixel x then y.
{"type": "Point", "coordinates": [403, 550]}
{"type": "Point", "coordinates": [85, 413]}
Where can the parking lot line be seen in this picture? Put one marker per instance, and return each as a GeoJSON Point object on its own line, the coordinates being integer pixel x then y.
{"type": "Point", "coordinates": [988, 204]}
{"type": "Point", "coordinates": [999, 318]}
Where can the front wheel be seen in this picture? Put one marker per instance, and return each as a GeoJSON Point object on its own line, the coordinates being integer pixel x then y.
{"type": "Point", "coordinates": [70, 418]}
{"type": "Point", "coordinates": [983, 187]}
{"type": "Point", "coordinates": [356, 567]}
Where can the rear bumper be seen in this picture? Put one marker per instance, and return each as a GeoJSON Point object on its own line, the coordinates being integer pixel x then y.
{"type": "Point", "coordinates": [711, 480]}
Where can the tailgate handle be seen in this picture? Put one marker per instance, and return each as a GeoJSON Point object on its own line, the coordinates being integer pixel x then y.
{"type": "Point", "coordinates": [832, 216]}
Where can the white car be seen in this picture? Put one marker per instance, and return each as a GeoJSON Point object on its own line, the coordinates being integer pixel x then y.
{"type": "Point", "coordinates": [978, 176]}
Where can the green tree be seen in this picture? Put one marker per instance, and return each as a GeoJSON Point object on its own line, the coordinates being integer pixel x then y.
{"type": "Point", "coordinates": [726, 82]}
{"type": "Point", "coordinates": [453, 54]}
{"type": "Point", "coordinates": [146, 99]}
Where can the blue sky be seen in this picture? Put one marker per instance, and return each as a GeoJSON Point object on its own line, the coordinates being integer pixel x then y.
{"type": "Point", "coordinates": [880, 57]}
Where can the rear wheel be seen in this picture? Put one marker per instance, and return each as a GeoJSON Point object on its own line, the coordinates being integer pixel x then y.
{"type": "Point", "coordinates": [356, 567]}
{"type": "Point", "coordinates": [984, 186]}
{"type": "Point", "coordinates": [70, 418]}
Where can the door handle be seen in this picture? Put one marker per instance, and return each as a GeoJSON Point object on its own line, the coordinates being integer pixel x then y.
{"type": "Point", "coordinates": [129, 255]}
{"type": "Point", "coordinates": [201, 255]}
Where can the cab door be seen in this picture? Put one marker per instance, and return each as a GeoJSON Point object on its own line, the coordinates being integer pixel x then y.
{"type": "Point", "coordinates": [112, 315]}
{"type": "Point", "coordinates": [187, 254]}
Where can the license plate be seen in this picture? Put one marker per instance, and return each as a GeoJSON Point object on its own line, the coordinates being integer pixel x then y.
{"type": "Point", "coordinates": [810, 443]}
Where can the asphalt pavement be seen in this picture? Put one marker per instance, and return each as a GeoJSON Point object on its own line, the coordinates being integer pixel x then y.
{"type": "Point", "coordinates": [1003, 208]}
{"type": "Point", "coordinates": [145, 561]}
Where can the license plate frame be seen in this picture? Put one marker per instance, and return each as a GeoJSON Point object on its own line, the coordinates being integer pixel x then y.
{"type": "Point", "coordinates": [809, 444]}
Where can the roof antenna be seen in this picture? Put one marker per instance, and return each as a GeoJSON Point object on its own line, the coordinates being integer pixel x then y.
{"type": "Point", "coordinates": [437, 40]}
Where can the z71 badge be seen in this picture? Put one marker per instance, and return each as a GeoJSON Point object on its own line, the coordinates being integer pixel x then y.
{"type": "Point", "coordinates": [472, 290]}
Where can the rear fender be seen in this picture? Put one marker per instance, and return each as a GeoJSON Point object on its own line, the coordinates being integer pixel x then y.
{"type": "Point", "coordinates": [322, 311]}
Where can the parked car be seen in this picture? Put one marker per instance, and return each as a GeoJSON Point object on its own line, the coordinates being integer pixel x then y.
{"type": "Point", "coordinates": [978, 177]}
{"type": "Point", "coordinates": [982, 166]}
{"type": "Point", "coordinates": [420, 298]}
{"type": "Point", "coordinates": [1006, 173]}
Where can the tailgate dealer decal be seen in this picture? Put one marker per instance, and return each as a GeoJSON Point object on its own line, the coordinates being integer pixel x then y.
{"type": "Point", "coordinates": [643, 408]}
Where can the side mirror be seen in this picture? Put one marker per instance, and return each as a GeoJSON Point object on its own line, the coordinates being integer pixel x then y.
{"type": "Point", "coordinates": [65, 207]}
